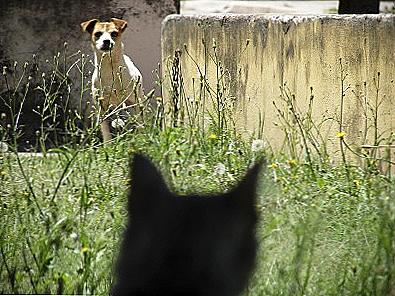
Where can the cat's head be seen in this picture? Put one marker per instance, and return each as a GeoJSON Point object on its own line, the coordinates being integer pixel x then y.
{"type": "Point", "coordinates": [192, 245]}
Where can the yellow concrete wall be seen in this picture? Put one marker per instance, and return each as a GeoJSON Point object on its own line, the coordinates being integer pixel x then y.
{"type": "Point", "coordinates": [261, 53]}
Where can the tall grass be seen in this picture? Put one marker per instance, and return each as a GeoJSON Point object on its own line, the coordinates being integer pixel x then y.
{"type": "Point", "coordinates": [325, 229]}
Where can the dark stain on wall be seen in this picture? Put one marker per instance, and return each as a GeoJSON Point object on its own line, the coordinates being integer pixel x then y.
{"type": "Point", "coordinates": [163, 8]}
{"type": "Point", "coordinates": [263, 25]}
{"type": "Point", "coordinates": [289, 53]}
{"type": "Point", "coordinates": [24, 111]}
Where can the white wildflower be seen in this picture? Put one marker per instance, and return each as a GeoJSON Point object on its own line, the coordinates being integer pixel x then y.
{"type": "Point", "coordinates": [257, 145]}
{"type": "Point", "coordinates": [73, 236]}
{"type": "Point", "coordinates": [199, 166]}
{"type": "Point", "coordinates": [118, 123]}
{"type": "Point", "coordinates": [3, 147]}
{"type": "Point", "coordinates": [219, 168]}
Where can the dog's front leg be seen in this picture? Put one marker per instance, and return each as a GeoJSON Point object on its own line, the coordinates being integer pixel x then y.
{"type": "Point", "coordinates": [105, 130]}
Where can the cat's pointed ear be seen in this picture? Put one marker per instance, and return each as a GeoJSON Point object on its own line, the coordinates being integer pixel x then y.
{"type": "Point", "coordinates": [245, 191]}
{"type": "Point", "coordinates": [147, 184]}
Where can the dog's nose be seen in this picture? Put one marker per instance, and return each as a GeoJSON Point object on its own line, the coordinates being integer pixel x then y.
{"type": "Point", "coordinates": [107, 44]}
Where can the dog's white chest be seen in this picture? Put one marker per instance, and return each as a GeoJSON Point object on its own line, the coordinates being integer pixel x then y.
{"type": "Point", "coordinates": [116, 82]}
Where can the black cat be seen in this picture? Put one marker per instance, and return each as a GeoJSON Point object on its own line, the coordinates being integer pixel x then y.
{"type": "Point", "coordinates": [186, 245]}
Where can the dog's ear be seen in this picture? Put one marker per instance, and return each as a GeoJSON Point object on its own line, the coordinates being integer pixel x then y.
{"type": "Point", "coordinates": [121, 24]}
{"type": "Point", "coordinates": [89, 25]}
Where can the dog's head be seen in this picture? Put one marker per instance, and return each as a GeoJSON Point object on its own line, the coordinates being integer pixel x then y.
{"type": "Point", "coordinates": [105, 35]}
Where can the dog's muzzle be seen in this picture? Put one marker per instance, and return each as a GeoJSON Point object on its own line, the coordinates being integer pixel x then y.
{"type": "Point", "coordinates": [107, 45]}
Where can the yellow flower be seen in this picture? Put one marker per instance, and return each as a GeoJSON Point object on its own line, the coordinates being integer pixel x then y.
{"type": "Point", "coordinates": [340, 135]}
{"type": "Point", "coordinates": [84, 249]}
{"type": "Point", "coordinates": [213, 137]}
{"type": "Point", "coordinates": [273, 165]}
{"type": "Point", "coordinates": [292, 162]}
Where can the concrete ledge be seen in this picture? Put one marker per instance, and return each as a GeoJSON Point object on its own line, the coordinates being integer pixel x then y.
{"type": "Point", "coordinates": [262, 53]}
{"type": "Point", "coordinates": [248, 7]}
{"type": "Point", "coordinates": [278, 7]}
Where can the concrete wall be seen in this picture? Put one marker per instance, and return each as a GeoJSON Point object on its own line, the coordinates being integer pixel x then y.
{"type": "Point", "coordinates": [40, 27]}
{"type": "Point", "coordinates": [263, 52]}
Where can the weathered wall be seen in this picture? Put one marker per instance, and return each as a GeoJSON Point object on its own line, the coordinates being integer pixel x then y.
{"type": "Point", "coordinates": [41, 27]}
{"type": "Point", "coordinates": [264, 52]}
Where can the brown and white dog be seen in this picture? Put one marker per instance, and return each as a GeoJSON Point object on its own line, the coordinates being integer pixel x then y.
{"type": "Point", "coordinates": [116, 80]}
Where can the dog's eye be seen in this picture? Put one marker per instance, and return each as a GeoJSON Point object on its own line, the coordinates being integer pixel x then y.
{"type": "Point", "coordinates": [98, 34]}
{"type": "Point", "coordinates": [114, 34]}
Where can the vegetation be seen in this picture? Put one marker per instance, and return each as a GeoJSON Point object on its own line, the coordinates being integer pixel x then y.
{"type": "Point", "coordinates": [325, 229]}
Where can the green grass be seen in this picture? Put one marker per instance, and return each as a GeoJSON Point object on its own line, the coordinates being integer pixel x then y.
{"type": "Point", "coordinates": [325, 229]}
{"type": "Point", "coordinates": [64, 242]}
{"type": "Point", "coordinates": [315, 238]}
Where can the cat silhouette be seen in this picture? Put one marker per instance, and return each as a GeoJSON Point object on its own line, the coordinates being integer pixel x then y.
{"type": "Point", "coordinates": [186, 245]}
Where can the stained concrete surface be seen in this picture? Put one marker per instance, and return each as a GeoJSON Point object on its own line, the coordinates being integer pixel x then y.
{"type": "Point", "coordinates": [41, 28]}
{"type": "Point", "coordinates": [262, 53]}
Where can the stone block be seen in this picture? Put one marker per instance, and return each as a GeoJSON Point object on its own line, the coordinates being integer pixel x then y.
{"type": "Point", "coordinates": [309, 58]}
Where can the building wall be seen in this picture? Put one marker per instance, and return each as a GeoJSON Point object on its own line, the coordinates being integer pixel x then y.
{"type": "Point", "coordinates": [266, 56]}
{"type": "Point", "coordinates": [40, 28]}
